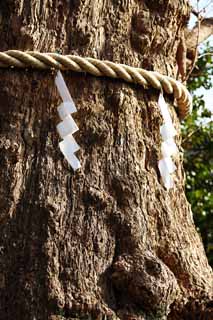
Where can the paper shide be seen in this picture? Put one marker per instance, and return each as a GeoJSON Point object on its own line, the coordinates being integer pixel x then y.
{"type": "Point", "coordinates": [67, 127]}
{"type": "Point", "coordinates": [168, 145]}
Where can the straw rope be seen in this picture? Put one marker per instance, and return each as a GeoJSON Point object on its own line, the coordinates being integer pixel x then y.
{"type": "Point", "coordinates": [99, 68]}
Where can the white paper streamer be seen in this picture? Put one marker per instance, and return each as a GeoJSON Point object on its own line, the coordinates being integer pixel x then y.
{"type": "Point", "coordinates": [166, 166]}
{"type": "Point", "coordinates": [69, 143]}
{"type": "Point", "coordinates": [167, 131]}
{"type": "Point", "coordinates": [168, 181]}
{"type": "Point", "coordinates": [65, 108]}
{"type": "Point", "coordinates": [67, 126]}
{"type": "Point", "coordinates": [168, 146]}
{"type": "Point", "coordinates": [68, 151]}
{"type": "Point", "coordinates": [164, 109]}
{"type": "Point", "coordinates": [63, 90]}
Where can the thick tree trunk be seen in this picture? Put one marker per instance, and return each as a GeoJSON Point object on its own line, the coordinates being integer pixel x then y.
{"type": "Point", "coordinates": [109, 239]}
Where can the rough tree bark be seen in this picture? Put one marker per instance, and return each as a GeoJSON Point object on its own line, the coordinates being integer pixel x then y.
{"type": "Point", "coordinates": [109, 239]}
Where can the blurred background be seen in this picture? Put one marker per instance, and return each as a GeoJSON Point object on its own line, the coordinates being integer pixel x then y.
{"type": "Point", "coordinates": [198, 132]}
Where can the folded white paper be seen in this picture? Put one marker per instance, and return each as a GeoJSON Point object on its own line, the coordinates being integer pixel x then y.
{"type": "Point", "coordinates": [67, 126]}
{"type": "Point", "coordinates": [70, 157]}
{"type": "Point", "coordinates": [62, 88]}
{"type": "Point", "coordinates": [69, 145]}
{"type": "Point", "coordinates": [66, 108]}
{"type": "Point", "coordinates": [164, 109]}
{"type": "Point", "coordinates": [168, 181]}
{"type": "Point", "coordinates": [166, 166]}
{"type": "Point", "coordinates": [167, 131]}
{"type": "Point", "coordinates": [168, 148]}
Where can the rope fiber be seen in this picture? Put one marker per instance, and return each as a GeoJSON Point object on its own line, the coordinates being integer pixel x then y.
{"type": "Point", "coordinates": [100, 68]}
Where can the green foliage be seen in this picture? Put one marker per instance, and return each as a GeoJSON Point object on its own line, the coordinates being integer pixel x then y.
{"type": "Point", "coordinates": [198, 144]}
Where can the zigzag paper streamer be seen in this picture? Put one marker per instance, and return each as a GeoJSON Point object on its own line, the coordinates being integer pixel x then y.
{"type": "Point", "coordinates": [67, 126]}
{"type": "Point", "coordinates": [168, 146]}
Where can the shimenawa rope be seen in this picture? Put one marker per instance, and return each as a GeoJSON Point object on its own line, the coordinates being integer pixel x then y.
{"type": "Point", "coordinates": [100, 68]}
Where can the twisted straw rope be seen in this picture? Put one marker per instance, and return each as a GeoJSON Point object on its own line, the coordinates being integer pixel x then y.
{"type": "Point", "coordinates": [99, 68]}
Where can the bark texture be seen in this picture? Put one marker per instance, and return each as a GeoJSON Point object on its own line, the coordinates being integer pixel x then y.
{"type": "Point", "coordinates": [108, 240]}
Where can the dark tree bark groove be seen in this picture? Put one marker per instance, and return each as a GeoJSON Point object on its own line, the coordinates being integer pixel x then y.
{"type": "Point", "coordinates": [109, 239]}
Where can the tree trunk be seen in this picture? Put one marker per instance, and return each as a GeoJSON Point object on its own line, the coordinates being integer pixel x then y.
{"type": "Point", "coordinates": [108, 239]}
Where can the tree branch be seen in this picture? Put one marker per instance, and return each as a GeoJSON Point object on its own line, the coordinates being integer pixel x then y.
{"type": "Point", "coordinates": [206, 30]}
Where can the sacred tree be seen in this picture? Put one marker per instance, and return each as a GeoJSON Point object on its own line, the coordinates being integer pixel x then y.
{"type": "Point", "coordinates": [109, 240]}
